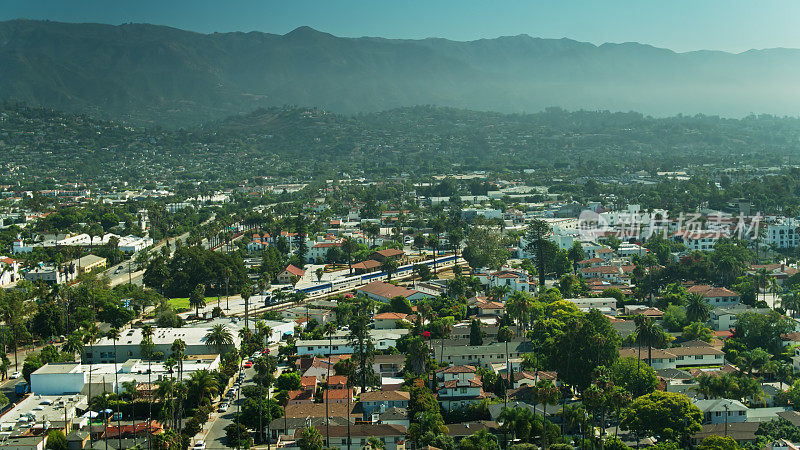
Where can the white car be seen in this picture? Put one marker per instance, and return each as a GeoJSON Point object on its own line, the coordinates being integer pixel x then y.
{"type": "Point", "coordinates": [199, 445]}
{"type": "Point", "coordinates": [16, 375]}
{"type": "Point", "coordinates": [223, 407]}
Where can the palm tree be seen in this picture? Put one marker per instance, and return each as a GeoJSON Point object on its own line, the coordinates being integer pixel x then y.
{"type": "Point", "coordinates": [517, 422]}
{"type": "Point", "coordinates": [791, 301]}
{"type": "Point", "coordinates": [147, 336]}
{"type": "Point", "coordinates": [349, 246]}
{"type": "Point", "coordinates": [519, 307]}
{"type": "Point", "coordinates": [197, 298]}
{"type": "Point", "coordinates": [178, 351]}
{"type": "Point", "coordinates": [74, 343]}
{"type": "Point", "coordinates": [113, 334]}
{"type": "Point", "coordinates": [697, 308]}
{"type": "Point", "coordinates": [245, 293]}
{"type": "Point", "coordinates": [328, 330]}
{"type": "Point", "coordinates": [762, 280]}
{"type": "Point", "coordinates": [202, 386]}
{"type": "Point", "coordinates": [648, 333]}
{"type": "Point", "coordinates": [88, 337]}
{"type": "Point", "coordinates": [219, 337]}
{"type": "Point", "coordinates": [546, 393]}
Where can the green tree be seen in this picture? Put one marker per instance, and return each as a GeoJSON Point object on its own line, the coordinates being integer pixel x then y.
{"type": "Point", "coordinates": [219, 337]}
{"type": "Point", "coordinates": [475, 333]}
{"type": "Point", "coordinates": [718, 443]}
{"type": "Point", "coordinates": [56, 440]}
{"type": "Point", "coordinates": [536, 236]}
{"type": "Point", "coordinates": [237, 435]}
{"type": "Point", "coordinates": [480, 440]}
{"type": "Point", "coordinates": [198, 298]}
{"type": "Point", "coordinates": [697, 331]}
{"type": "Point", "coordinates": [697, 308]}
{"type": "Point", "coordinates": [310, 439]}
{"type": "Point", "coordinates": [669, 415]}
{"type": "Point", "coordinates": [637, 379]}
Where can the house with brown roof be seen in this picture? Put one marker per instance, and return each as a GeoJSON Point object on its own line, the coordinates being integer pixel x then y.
{"type": "Point", "coordinates": [290, 274]}
{"type": "Point", "coordinates": [383, 292]}
{"type": "Point", "coordinates": [393, 437]}
{"type": "Point", "coordinates": [301, 396]}
{"type": "Point", "coordinates": [381, 400]}
{"type": "Point", "coordinates": [716, 296]}
{"type": "Point", "coordinates": [459, 386]}
{"type": "Point", "coordinates": [390, 253]}
{"type": "Point", "coordinates": [695, 354]}
{"type": "Point", "coordinates": [388, 320]}
{"type": "Point", "coordinates": [367, 266]}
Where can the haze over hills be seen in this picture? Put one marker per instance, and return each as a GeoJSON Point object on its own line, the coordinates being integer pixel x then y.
{"type": "Point", "coordinates": [165, 76]}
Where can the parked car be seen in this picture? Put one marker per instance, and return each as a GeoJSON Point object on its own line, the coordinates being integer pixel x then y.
{"type": "Point", "coordinates": [223, 407]}
{"type": "Point", "coordinates": [248, 364]}
{"type": "Point", "coordinates": [199, 445]}
{"type": "Point", "coordinates": [16, 375]}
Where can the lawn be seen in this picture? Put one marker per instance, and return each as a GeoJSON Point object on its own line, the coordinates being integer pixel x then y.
{"type": "Point", "coordinates": [183, 302]}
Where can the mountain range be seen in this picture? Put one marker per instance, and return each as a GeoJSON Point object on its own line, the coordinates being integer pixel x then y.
{"type": "Point", "coordinates": [148, 74]}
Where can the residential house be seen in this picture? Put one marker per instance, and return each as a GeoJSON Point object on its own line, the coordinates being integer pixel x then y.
{"type": "Point", "coordinates": [459, 386]}
{"type": "Point", "coordinates": [605, 305]}
{"type": "Point", "coordinates": [720, 410]}
{"type": "Point", "coordinates": [9, 271]}
{"type": "Point", "coordinates": [322, 316]}
{"type": "Point", "coordinates": [698, 240]}
{"type": "Point", "coordinates": [741, 432]}
{"type": "Point", "coordinates": [388, 320]}
{"type": "Point", "coordinates": [676, 357]}
{"type": "Point", "coordinates": [513, 279]}
{"type": "Point", "coordinates": [482, 355]}
{"type": "Point", "coordinates": [380, 401]}
{"type": "Point", "coordinates": [389, 365]}
{"type": "Point", "coordinates": [318, 252]}
{"type": "Point", "coordinates": [724, 318]}
{"type": "Point", "coordinates": [490, 309]}
{"type": "Point", "coordinates": [716, 296]}
{"type": "Point", "coordinates": [393, 437]}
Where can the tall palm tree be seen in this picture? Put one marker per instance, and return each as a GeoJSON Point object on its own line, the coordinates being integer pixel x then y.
{"type": "Point", "coordinates": [245, 293]}
{"type": "Point", "coordinates": [697, 308]}
{"type": "Point", "coordinates": [147, 336]}
{"type": "Point", "coordinates": [202, 387]}
{"type": "Point", "coordinates": [648, 333]}
{"type": "Point", "coordinates": [762, 280]}
{"type": "Point", "coordinates": [113, 334]}
{"type": "Point", "coordinates": [546, 393]}
{"type": "Point", "coordinates": [88, 337]}
{"type": "Point", "coordinates": [178, 351]}
{"type": "Point", "coordinates": [328, 330]}
{"type": "Point", "coordinates": [790, 301]}
{"type": "Point", "coordinates": [219, 337]}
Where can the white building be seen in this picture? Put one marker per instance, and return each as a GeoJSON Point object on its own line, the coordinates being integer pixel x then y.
{"type": "Point", "coordinates": [514, 279]}
{"type": "Point", "coordinates": [783, 233]}
{"type": "Point", "coordinates": [72, 378]}
{"type": "Point", "coordinates": [722, 410]}
{"type": "Point", "coordinates": [128, 346]}
{"type": "Point", "coordinates": [9, 271]}
{"type": "Point", "coordinates": [603, 304]}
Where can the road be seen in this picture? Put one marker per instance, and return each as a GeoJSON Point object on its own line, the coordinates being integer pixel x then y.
{"type": "Point", "coordinates": [214, 430]}
{"type": "Point", "coordinates": [124, 272]}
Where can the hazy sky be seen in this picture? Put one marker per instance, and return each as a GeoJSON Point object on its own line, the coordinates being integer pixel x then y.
{"type": "Point", "coordinates": [681, 25]}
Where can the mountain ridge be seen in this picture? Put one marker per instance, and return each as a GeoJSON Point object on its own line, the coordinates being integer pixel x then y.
{"type": "Point", "coordinates": [156, 74]}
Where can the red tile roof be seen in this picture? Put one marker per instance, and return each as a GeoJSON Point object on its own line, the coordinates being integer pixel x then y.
{"type": "Point", "coordinates": [295, 270]}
